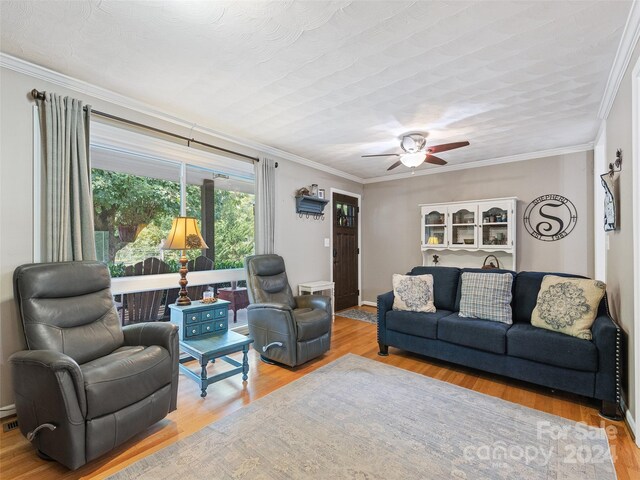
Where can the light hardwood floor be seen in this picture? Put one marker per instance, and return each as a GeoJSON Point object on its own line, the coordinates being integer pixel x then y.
{"type": "Point", "coordinates": [18, 459]}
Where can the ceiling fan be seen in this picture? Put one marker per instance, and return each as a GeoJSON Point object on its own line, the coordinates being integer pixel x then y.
{"type": "Point", "coordinates": [416, 153]}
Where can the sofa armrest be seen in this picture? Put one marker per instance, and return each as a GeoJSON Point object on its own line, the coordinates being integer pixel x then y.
{"type": "Point", "coordinates": [385, 304]}
{"type": "Point", "coordinates": [162, 334]}
{"type": "Point", "coordinates": [319, 302]}
{"type": "Point", "coordinates": [50, 383]}
{"type": "Point", "coordinates": [607, 339]}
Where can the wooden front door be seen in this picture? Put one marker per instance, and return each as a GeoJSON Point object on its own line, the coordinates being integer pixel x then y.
{"type": "Point", "coordinates": [345, 250]}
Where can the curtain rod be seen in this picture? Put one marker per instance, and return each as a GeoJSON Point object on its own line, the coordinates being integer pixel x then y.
{"type": "Point", "coordinates": [37, 95]}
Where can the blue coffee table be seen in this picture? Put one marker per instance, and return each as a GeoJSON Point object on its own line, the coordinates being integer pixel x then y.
{"type": "Point", "coordinates": [207, 349]}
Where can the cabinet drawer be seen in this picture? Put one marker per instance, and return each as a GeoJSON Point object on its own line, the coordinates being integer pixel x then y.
{"type": "Point", "coordinates": [207, 327]}
{"type": "Point", "coordinates": [208, 315]}
{"type": "Point", "coordinates": [193, 317]}
{"type": "Point", "coordinates": [220, 313]}
{"type": "Point", "coordinates": [221, 325]}
{"type": "Point", "coordinates": [192, 330]}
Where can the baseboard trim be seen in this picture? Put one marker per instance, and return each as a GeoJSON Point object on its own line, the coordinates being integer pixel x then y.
{"type": "Point", "coordinates": [369, 304]}
{"type": "Point", "coordinates": [7, 410]}
{"type": "Point", "coordinates": [628, 419]}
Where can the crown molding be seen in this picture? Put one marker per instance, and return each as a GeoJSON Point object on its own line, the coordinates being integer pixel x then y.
{"type": "Point", "coordinates": [484, 163]}
{"type": "Point", "coordinates": [22, 66]}
{"type": "Point", "coordinates": [630, 36]}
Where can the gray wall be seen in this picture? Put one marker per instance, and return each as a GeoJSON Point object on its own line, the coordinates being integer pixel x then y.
{"type": "Point", "coordinates": [391, 232]}
{"type": "Point", "coordinates": [620, 285]}
{"type": "Point", "coordinates": [300, 241]}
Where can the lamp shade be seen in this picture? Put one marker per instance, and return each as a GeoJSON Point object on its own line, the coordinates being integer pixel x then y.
{"type": "Point", "coordinates": [184, 235]}
{"type": "Point", "coordinates": [413, 159]}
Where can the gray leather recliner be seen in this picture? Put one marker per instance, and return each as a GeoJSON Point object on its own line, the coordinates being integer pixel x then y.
{"type": "Point", "coordinates": [286, 329]}
{"type": "Point", "coordinates": [86, 384]}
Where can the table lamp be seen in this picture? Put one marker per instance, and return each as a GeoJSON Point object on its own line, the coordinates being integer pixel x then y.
{"type": "Point", "coordinates": [184, 235]}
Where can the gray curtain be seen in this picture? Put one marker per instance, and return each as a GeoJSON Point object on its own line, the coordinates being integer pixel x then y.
{"type": "Point", "coordinates": [67, 179]}
{"type": "Point", "coordinates": [265, 205]}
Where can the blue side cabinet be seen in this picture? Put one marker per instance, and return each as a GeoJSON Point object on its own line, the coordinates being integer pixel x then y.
{"type": "Point", "coordinates": [199, 319]}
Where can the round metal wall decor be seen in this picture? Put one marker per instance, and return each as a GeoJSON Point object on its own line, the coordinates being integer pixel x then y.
{"type": "Point", "coordinates": [550, 217]}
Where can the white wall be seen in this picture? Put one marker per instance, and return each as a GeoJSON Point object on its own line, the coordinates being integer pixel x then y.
{"type": "Point", "coordinates": [620, 280]}
{"type": "Point", "coordinates": [391, 221]}
{"type": "Point", "coordinates": [299, 240]}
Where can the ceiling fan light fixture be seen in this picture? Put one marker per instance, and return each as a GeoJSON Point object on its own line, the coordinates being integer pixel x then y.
{"type": "Point", "coordinates": [412, 159]}
{"type": "Point", "coordinates": [413, 143]}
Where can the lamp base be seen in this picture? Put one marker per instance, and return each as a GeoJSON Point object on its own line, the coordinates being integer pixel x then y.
{"type": "Point", "coordinates": [183, 298]}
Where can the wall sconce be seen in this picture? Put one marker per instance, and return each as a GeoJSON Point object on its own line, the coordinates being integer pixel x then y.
{"type": "Point", "coordinates": [616, 166]}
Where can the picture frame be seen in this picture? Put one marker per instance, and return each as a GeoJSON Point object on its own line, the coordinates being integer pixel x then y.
{"type": "Point", "coordinates": [321, 193]}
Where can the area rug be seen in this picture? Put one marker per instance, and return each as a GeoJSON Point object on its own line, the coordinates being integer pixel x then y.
{"type": "Point", "coordinates": [359, 315]}
{"type": "Point", "coordinates": [360, 419]}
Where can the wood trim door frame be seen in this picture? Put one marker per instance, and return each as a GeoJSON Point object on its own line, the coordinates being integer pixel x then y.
{"type": "Point", "coordinates": [330, 260]}
{"type": "Point", "coordinates": [635, 160]}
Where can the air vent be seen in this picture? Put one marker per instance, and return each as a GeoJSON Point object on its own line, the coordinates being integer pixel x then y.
{"type": "Point", "coordinates": [12, 425]}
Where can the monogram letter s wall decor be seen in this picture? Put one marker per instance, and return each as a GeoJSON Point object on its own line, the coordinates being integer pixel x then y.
{"type": "Point", "coordinates": [550, 217]}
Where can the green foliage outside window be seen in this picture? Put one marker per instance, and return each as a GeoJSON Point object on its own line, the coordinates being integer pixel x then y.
{"type": "Point", "coordinates": [131, 200]}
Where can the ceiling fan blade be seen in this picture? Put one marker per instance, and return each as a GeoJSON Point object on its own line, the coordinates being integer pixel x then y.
{"type": "Point", "coordinates": [383, 155]}
{"type": "Point", "coordinates": [435, 160]}
{"type": "Point", "coordinates": [446, 146]}
{"type": "Point", "coordinates": [394, 165]}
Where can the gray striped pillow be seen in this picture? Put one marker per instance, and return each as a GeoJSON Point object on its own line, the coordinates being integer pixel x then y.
{"type": "Point", "coordinates": [486, 296]}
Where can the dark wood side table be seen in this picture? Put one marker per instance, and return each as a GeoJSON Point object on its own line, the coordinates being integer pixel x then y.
{"type": "Point", "coordinates": [206, 349]}
{"type": "Point", "coordinates": [237, 298]}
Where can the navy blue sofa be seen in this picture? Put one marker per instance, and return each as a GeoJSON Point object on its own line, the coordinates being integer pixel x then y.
{"type": "Point", "coordinates": [521, 351]}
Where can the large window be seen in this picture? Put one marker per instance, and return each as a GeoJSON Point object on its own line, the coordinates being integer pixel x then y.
{"type": "Point", "coordinates": [136, 196]}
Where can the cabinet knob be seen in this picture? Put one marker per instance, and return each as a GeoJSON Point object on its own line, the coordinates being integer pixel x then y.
{"type": "Point", "coordinates": [193, 318]}
{"type": "Point", "coordinates": [193, 331]}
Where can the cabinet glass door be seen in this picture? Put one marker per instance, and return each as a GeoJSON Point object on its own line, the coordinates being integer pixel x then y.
{"type": "Point", "coordinates": [463, 227]}
{"type": "Point", "coordinates": [494, 225]}
{"type": "Point", "coordinates": [435, 228]}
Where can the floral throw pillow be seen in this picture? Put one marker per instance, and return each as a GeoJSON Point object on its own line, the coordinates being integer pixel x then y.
{"type": "Point", "coordinates": [413, 293]}
{"type": "Point", "coordinates": [568, 305]}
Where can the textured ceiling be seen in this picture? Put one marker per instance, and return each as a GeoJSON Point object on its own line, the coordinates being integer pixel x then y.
{"type": "Point", "coordinates": [331, 81]}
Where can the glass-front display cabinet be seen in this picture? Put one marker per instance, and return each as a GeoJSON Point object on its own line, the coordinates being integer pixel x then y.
{"type": "Point", "coordinates": [434, 227]}
{"type": "Point", "coordinates": [495, 225]}
{"type": "Point", "coordinates": [461, 234]}
{"type": "Point", "coordinates": [463, 226]}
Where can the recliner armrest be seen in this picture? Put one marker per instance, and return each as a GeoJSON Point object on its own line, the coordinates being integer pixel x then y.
{"type": "Point", "coordinates": [34, 371]}
{"type": "Point", "coordinates": [163, 334]}
{"type": "Point", "coordinates": [275, 306]}
{"type": "Point", "coordinates": [319, 302]}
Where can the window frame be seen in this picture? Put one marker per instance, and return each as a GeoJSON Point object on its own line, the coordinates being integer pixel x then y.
{"type": "Point", "coordinates": [106, 137]}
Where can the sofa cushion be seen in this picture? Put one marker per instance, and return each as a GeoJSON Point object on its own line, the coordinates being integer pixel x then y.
{"type": "Point", "coordinates": [445, 285]}
{"type": "Point", "coordinates": [544, 346]}
{"type": "Point", "coordinates": [568, 305]}
{"type": "Point", "coordinates": [476, 270]}
{"type": "Point", "coordinates": [124, 377]}
{"type": "Point", "coordinates": [312, 323]}
{"type": "Point", "coordinates": [525, 293]}
{"type": "Point", "coordinates": [415, 323]}
{"type": "Point", "coordinates": [487, 296]}
{"type": "Point", "coordinates": [413, 293]}
{"type": "Point", "coordinates": [482, 334]}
